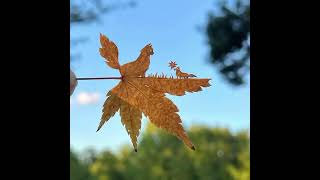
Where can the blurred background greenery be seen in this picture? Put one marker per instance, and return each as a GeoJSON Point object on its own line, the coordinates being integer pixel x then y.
{"type": "Point", "coordinates": [220, 154]}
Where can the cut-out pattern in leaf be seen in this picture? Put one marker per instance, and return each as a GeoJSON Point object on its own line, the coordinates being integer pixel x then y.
{"type": "Point", "coordinates": [138, 94]}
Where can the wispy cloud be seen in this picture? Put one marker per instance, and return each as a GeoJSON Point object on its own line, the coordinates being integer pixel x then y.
{"type": "Point", "coordinates": [86, 98]}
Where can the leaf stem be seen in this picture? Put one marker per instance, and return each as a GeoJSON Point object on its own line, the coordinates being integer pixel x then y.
{"type": "Point", "coordinates": [98, 78]}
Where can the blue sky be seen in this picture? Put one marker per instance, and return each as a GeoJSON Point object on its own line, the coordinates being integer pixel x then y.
{"type": "Point", "coordinates": [171, 27]}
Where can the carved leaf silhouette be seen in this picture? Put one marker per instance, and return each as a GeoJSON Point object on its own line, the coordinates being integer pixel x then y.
{"type": "Point", "coordinates": [137, 94]}
{"type": "Point", "coordinates": [138, 67]}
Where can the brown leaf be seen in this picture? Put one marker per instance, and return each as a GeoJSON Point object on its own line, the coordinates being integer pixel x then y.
{"type": "Point", "coordinates": [160, 110]}
{"type": "Point", "coordinates": [130, 116]}
{"type": "Point", "coordinates": [110, 107]}
{"type": "Point", "coordinates": [174, 86]}
{"type": "Point", "coordinates": [131, 119]}
{"type": "Point", "coordinates": [109, 51]}
{"type": "Point", "coordinates": [140, 66]}
{"type": "Point", "coordinates": [137, 94]}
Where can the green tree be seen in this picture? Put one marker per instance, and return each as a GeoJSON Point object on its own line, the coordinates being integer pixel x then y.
{"type": "Point", "coordinates": [229, 41]}
{"type": "Point", "coordinates": [107, 166]}
{"type": "Point", "coordinates": [84, 12]}
{"type": "Point", "coordinates": [78, 169]}
{"type": "Point", "coordinates": [220, 155]}
{"type": "Point", "coordinates": [242, 170]}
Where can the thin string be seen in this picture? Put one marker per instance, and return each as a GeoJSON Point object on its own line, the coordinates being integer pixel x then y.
{"type": "Point", "coordinates": [98, 78]}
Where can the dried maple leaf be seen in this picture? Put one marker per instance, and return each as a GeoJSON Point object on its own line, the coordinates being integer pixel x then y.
{"type": "Point", "coordinates": [138, 67]}
{"type": "Point", "coordinates": [110, 107]}
{"type": "Point", "coordinates": [131, 119]}
{"type": "Point", "coordinates": [137, 94]}
{"type": "Point", "coordinates": [109, 51]}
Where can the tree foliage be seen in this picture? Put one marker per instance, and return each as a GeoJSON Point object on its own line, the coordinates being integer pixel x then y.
{"type": "Point", "coordinates": [78, 168]}
{"type": "Point", "coordinates": [85, 12]}
{"type": "Point", "coordinates": [221, 155]}
{"type": "Point", "coordinates": [229, 40]}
